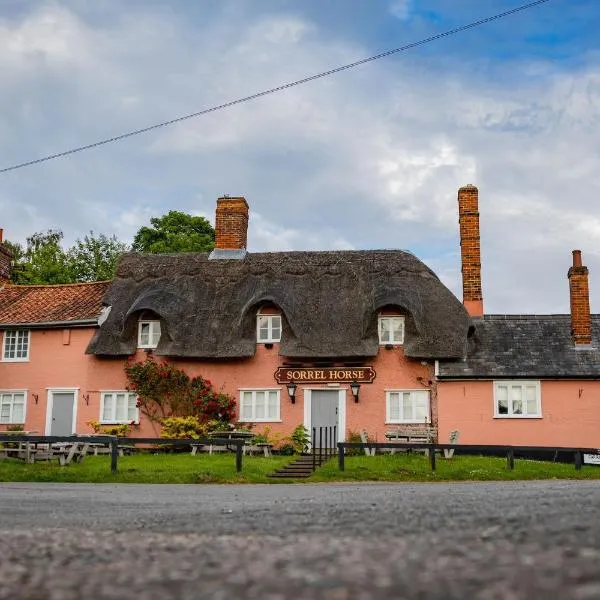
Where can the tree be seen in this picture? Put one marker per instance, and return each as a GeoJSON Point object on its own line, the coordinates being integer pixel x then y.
{"type": "Point", "coordinates": [42, 261]}
{"type": "Point", "coordinates": [95, 258]}
{"type": "Point", "coordinates": [175, 232]}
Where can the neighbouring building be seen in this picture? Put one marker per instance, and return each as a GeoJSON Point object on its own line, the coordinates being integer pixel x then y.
{"type": "Point", "coordinates": [357, 339]}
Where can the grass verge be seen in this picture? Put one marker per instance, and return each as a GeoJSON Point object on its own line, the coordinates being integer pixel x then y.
{"type": "Point", "coordinates": [184, 468]}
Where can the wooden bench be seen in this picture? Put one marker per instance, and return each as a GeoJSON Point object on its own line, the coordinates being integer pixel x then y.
{"type": "Point", "coordinates": [412, 435]}
{"type": "Point", "coordinates": [20, 452]}
{"type": "Point", "coordinates": [259, 448]}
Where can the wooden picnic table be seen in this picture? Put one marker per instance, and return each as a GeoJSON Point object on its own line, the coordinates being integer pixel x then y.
{"type": "Point", "coordinates": [233, 434]}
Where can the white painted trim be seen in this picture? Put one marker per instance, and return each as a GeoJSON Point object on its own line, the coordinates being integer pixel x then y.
{"type": "Point", "coordinates": [24, 405]}
{"type": "Point", "coordinates": [395, 342]}
{"type": "Point", "coordinates": [388, 419]}
{"type": "Point", "coordinates": [342, 400]}
{"type": "Point", "coordinates": [152, 323]}
{"type": "Point", "coordinates": [276, 419]}
{"type": "Point", "coordinates": [521, 382]}
{"type": "Point", "coordinates": [436, 368]}
{"type": "Point", "coordinates": [16, 360]}
{"type": "Point", "coordinates": [111, 422]}
{"type": "Point", "coordinates": [270, 339]}
{"type": "Point", "coordinates": [50, 404]}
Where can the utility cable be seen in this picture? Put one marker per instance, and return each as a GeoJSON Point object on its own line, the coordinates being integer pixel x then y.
{"type": "Point", "coordinates": [279, 88]}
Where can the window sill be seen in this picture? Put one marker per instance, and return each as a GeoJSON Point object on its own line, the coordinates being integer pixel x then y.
{"type": "Point", "coordinates": [119, 423]}
{"type": "Point", "coordinates": [261, 421]}
{"type": "Point", "coordinates": [15, 360]}
{"type": "Point", "coordinates": [407, 422]}
{"type": "Point", "coordinates": [512, 417]}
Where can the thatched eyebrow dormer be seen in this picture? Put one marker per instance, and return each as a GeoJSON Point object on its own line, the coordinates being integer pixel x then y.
{"type": "Point", "coordinates": [328, 301]}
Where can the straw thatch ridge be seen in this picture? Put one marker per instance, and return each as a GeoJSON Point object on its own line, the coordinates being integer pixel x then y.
{"type": "Point", "coordinates": [329, 302]}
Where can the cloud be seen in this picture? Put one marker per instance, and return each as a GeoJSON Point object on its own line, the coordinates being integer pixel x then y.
{"type": "Point", "coordinates": [400, 9]}
{"type": "Point", "coordinates": [369, 158]}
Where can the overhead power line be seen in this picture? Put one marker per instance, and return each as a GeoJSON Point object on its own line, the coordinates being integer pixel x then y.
{"type": "Point", "coordinates": [279, 88]}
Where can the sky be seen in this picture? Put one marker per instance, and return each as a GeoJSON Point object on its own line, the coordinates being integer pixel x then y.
{"type": "Point", "coordinates": [368, 158]}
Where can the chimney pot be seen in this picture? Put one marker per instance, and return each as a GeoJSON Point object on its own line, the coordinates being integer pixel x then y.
{"type": "Point", "coordinates": [577, 258]}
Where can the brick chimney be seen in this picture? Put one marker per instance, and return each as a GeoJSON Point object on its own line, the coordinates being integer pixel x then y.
{"type": "Point", "coordinates": [5, 261]}
{"type": "Point", "coordinates": [470, 252]}
{"type": "Point", "coordinates": [581, 321]}
{"type": "Point", "coordinates": [231, 223]}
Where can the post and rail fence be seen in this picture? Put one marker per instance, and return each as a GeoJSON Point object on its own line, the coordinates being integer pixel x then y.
{"type": "Point", "coordinates": [484, 450]}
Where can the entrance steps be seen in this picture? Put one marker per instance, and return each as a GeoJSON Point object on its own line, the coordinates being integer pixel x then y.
{"type": "Point", "coordinates": [301, 467]}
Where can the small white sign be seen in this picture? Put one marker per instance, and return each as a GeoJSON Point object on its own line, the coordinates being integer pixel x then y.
{"type": "Point", "coordinates": [591, 459]}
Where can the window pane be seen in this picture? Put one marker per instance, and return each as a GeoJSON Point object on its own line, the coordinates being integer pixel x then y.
{"type": "Point", "coordinates": [397, 330]}
{"type": "Point", "coordinates": [246, 407]}
{"type": "Point", "coordinates": [407, 407]}
{"type": "Point", "coordinates": [502, 399]}
{"type": "Point", "coordinates": [131, 408]}
{"type": "Point", "coordinates": [18, 413]}
{"type": "Point", "coordinates": [260, 409]}
{"type": "Point", "coordinates": [144, 334]}
{"type": "Point", "coordinates": [384, 330]}
{"type": "Point", "coordinates": [273, 405]}
{"type": "Point", "coordinates": [155, 333]}
{"type": "Point", "coordinates": [422, 406]}
{"type": "Point", "coordinates": [517, 399]}
{"type": "Point", "coordinates": [394, 400]}
{"type": "Point", "coordinates": [107, 411]}
{"type": "Point", "coordinates": [121, 414]}
{"type": "Point", "coordinates": [531, 398]}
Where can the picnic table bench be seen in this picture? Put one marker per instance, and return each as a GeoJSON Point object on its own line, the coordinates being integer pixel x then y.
{"type": "Point", "coordinates": [412, 435]}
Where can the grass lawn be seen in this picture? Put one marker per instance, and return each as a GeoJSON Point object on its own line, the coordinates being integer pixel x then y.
{"type": "Point", "coordinates": [185, 468]}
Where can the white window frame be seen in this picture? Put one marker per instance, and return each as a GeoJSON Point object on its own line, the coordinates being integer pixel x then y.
{"type": "Point", "coordinates": [114, 420]}
{"type": "Point", "coordinates": [398, 318]}
{"type": "Point", "coordinates": [11, 420]}
{"type": "Point", "coordinates": [270, 339]}
{"type": "Point", "coordinates": [523, 383]}
{"type": "Point", "coordinates": [5, 340]}
{"type": "Point", "coordinates": [388, 411]}
{"type": "Point", "coordinates": [153, 324]}
{"type": "Point", "coordinates": [253, 391]}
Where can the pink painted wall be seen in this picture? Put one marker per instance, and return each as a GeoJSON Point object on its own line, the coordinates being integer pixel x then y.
{"type": "Point", "coordinates": [570, 415]}
{"type": "Point", "coordinates": [55, 364]}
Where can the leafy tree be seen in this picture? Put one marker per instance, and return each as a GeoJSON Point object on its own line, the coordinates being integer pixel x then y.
{"type": "Point", "coordinates": [42, 261]}
{"type": "Point", "coordinates": [175, 232]}
{"type": "Point", "coordinates": [94, 258]}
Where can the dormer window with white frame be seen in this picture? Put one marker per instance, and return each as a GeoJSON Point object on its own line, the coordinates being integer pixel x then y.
{"type": "Point", "coordinates": [268, 329]}
{"type": "Point", "coordinates": [391, 330]}
{"type": "Point", "coordinates": [148, 333]}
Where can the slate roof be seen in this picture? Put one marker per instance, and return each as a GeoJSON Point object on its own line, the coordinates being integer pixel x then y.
{"type": "Point", "coordinates": [329, 302]}
{"type": "Point", "coordinates": [46, 304]}
{"type": "Point", "coordinates": [532, 346]}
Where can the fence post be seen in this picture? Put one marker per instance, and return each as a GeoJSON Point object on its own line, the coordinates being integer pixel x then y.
{"type": "Point", "coordinates": [314, 448]}
{"type": "Point", "coordinates": [334, 443]}
{"type": "Point", "coordinates": [510, 459]}
{"type": "Point", "coordinates": [432, 456]}
{"type": "Point", "coordinates": [578, 460]}
{"type": "Point", "coordinates": [326, 442]}
{"type": "Point", "coordinates": [238, 455]}
{"type": "Point", "coordinates": [341, 456]}
{"type": "Point", "coordinates": [114, 454]}
{"type": "Point", "coordinates": [320, 445]}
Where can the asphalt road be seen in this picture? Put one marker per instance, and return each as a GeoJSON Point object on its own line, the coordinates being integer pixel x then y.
{"type": "Point", "coordinates": [487, 541]}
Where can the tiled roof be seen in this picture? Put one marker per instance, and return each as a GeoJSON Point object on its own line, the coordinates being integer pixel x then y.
{"type": "Point", "coordinates": [51, 303]}
{"type": "Point", "coordinates": [517, 346]}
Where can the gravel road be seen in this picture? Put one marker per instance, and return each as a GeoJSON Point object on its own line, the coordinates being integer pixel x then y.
{"type": "Point", "coordinates": [487, 541]}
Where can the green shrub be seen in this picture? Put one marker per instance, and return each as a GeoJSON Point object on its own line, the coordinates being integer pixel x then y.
{"type": "Point", "coordinates": [300, 439]}
{"type": "Point", "coordinates": [183, 428]}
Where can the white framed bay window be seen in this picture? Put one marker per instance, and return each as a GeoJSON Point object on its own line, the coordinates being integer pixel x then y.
{"type": "Point", "coordinates": [260, 405]}
{"type": "Point", "coordinates": [517, 400]}
{"type": "Point", "coordinates": [118, 407]}
{"type": "Point", "coordinates": [407, 406]}
{"type": "Point", "coordinates": [12, 407]}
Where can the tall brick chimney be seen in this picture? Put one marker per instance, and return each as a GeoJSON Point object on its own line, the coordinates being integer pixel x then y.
{"type": "Point", "coordinates": [581, 320]}
{"type": "Point", "coordinates": [231, 223]}
{"type": "Point", "coordinates": [5, 261]}
{"type": "Point", "coordinates": [470, 251]}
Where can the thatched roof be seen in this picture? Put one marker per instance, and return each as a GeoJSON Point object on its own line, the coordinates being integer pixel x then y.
{"type": "Point", "coordinates": [515, 346]}
{"type": "Point", "coordinates": [329, 302]}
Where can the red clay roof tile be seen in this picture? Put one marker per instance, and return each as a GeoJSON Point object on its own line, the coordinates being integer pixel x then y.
{"type": "Point", "coordinates": [51, 303]}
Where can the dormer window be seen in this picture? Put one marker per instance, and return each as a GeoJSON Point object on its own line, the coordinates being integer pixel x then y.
{"type": "Point", "coordinates": [148, 333]}
{"type": "Point", "coordinates": [268, 329]}
{"type": "Point", "coordinates": [391, 330]}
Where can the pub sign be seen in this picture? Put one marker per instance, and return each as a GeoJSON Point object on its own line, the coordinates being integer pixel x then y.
{"type": "Point", "coordinates": [325, 375]}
